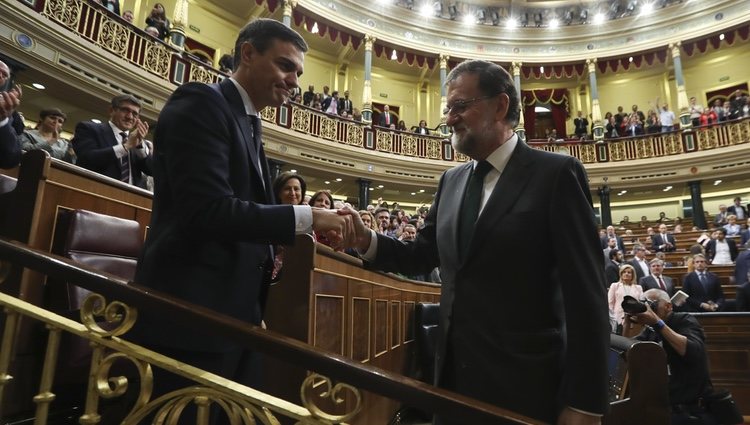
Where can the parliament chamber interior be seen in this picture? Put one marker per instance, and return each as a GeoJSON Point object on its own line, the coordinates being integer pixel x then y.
{"type": "Point", "coordinates": [651, 96]}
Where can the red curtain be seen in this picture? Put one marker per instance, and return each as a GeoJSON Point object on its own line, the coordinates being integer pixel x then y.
{"type": "Point", "coordinates": [558, 102]}
{"type": "Point", "coordinates": [529, 118]}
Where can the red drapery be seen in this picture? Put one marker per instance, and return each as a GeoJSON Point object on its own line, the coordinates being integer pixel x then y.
{"type": "Point", "coordinates": [558, 102]}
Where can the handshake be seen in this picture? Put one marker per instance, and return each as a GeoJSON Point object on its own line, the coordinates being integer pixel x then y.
{"type": "Point", "coordinates": [343, 228]}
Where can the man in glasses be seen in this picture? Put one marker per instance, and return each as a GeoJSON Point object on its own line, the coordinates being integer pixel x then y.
{"type": "Point", "coordinates": [116, 148]}
{"type": "Point", "coordinates": [527, 335]}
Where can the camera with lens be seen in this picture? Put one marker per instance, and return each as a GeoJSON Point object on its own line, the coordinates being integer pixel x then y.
{"type": "Point", "coordinates": [633, 306]}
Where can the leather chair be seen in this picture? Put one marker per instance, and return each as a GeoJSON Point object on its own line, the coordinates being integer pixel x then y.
{"type": "Point", "coordinates": [426, 317]}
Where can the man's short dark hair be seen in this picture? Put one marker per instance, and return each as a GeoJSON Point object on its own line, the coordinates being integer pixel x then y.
{"type": "Point", "coordinates": [261, 33]}
{"type": "Point", "coordinates": [613, 253]}
{"type": "Point", "coordinates": [493, 80]}
{"type": "Point", "coordinates": [722, 230]}
{"type": "Point", "coordinates": [52, 112]}
{"type": "Point", "coordinates": [117, 101]}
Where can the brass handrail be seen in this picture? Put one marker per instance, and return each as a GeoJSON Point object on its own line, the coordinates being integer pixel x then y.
{"type": "Point", "coordinates": [409, 391]}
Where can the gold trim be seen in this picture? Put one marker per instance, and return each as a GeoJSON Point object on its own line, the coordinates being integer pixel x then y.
{"type": "Point", "coordinates": [334, 393]}
{"type": "Point", "coordinates": [375, 326]}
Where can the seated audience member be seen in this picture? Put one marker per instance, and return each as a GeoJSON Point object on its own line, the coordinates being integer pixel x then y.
{"type": "Point", "coordinates": [630, 236]}
{"type": "Point", "coordinates": [112, 5]}
{"type": "Point", "coordinates": [612, 268]}
{"type": "Point", "coordinates": [158, 19]}
{"type": "Point", "coordinates": [738, 209]}
{"type": "Point", "coordinates": [322, 199]}
{"type": "Point", "coordinates": [297, 98]}
{"type": "Point", "coordinates": [663, 218]}
{"type": "Point", "coordinates": [683, 340]}
{"type": "Point", "coordinates": [657, 279]}
{"type": "Point", "coordinates": [422, 129]}
{"type": "Point", "coordinates": [732, 228]}
{"type": "Point", "coordinates": [288, 188]}
{"type": "Point", "coordinates": [697, 248]}
{"type": "Point", "coordinates": [720, 219]}
{"type": "Point", "coordinates": [677, 228]}
{"type": "Point", "coordinates": [309, 95]}
{"type": "Point", "coordinates": [408, 233]}
{"type": "Point", "coordinates": [10, 149]}
{"type": "Point", "coordinates": [47, 136]}
{"type": "Point", "coordinates": [345, 105]}
{"type": "Point", "coordinates": [552, 137]}
{"type": "Point", "coordinates": [128, 16]}
{"type": "Point", "coordinates": [331, 104]}
{"type": "Point", "coordinates": [368, 219]}
{"type": "Point", "coordinates": [703, 239]}
{"type": "Point", "coordinates": [626, 285]}
{"type": "Point", "coordinates": [356, 115]}
{"type": "Point", "coordinates": [383, 217]}
{"type": "Point", "coordinates": [152, 31]}
{"type": "Point", "coordinates": [663, 241]}
{"type": "Point", "coordinates": [116, 149]}
{"type": "Point", "coordinates": [663, 257]}
{"type": "Point", "coordinates": [721, 251]}
{"type": "Point", "coordinates": [644, 222]}
{"type": "Point", "coordinates": [401, 126]}
{"type": "Point", "coordinates": [745, 235]}
{"type": "Point", "coordinates": [703, 286]}
{"type": "Point", "coordinates": [226, 63]}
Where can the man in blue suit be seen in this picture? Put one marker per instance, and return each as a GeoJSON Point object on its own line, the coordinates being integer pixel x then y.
{"type": "Point", "coordinates": [703, 287]}
{"type": "Point", "coordinates": [214, 215]}
{"type": "Point", "coordinates": [742, 279]}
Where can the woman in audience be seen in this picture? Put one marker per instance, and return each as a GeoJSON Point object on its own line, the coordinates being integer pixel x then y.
{"type": "Point", "coordinates": [289, 188]}
{"type": "Point", "coordinates": [158, 19]}
{"type": "Point", "coordinates": [617, 292]}
{"type": "Point", "coordinates": [322, 199]}
{"type": "Point", "coordinates": [422, 129]}
{"type": "Point", "coordinates": [401, 126]}
{"type": "Point", "coordinates": [47, 136]}
{"type": "Point", "coordinates": [653, 124]}
{"type": "Point", "coordinates": [368, 219]}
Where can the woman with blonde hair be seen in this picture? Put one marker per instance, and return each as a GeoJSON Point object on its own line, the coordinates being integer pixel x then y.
{"type": "Point", "coordinates": [617, 292]}
{"type": "Point", "coordinates": [368, 219]}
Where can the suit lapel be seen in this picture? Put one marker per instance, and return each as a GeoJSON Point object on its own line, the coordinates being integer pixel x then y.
{"type": "Point", "coordinates": [509, 187]}
{"type": "Point", "coordinates": [451, 198]}
{"type": "Point", "coordinates": [230, 93]}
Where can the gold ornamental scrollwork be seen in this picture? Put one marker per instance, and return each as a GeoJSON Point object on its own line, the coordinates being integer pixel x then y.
{"type": "Point", "coordinates": [113, 37]}
{"type": "Point", "coordinates": [461, 157]}
{"type": "Point", "coordinates": [673, 144]}
{"type": "Point", "coordinates": [301, 119]}
{"type": "Point", "coordinates": [168, 408]}
{"type": "Point", "coordinates": [434, 149]}
{"type": "Point", "coordinates": [409, 145]}
{"type": "Point", "coordinates": [354, 135]}
{"type": "Point", "coordinates": [201, 74]}
{"type": "Point", "coordinates": [705, 139]}
{"type": "Point", "coordinates": [109, 387]}
{"type": "Point", "coordinates": [385, 141]}
{"type": "Point", "coordinates": [65, 12]}
{"type": "Point", "coordinates": [332, 393]}
{"type": "Point", "coordinates": [617, 151]}
{"type": "Point", "coordinates": [157, 59]}
{"type": "Point", "coordinates": [644, 148]}
{"type": "Point", "coordinates": [588, 153]}
{"type": "Point", "coordinates": [118, 316]}
{"type": "Point", "coordinates": [328, 128]}
{"type": "Point", "coordinates": [268, 114]}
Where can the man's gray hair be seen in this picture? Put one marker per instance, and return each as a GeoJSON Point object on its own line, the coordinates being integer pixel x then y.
{"type": "Point", "coordinates": [657, 261]}
{"type": "Point", "coordinates": [660, 294]}
{"type": "Point", "coordinates": [493, 80]}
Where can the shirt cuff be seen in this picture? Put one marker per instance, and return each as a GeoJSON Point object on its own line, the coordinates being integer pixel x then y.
{"type": "Point", "coordinates": [142, 151]}
{"type": "Point", "coordinates": [120, 150]}
{"type": "Point", "coordinates": [4, 122]}
{"type": "Point", "coordinates": [303, 219]}
{"type": "Point", "coordinates": [372, 250]}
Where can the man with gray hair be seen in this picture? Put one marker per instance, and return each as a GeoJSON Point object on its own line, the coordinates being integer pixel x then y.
{"type": "Point", "coordinates": [10, 149]}
{"type": "Point", "coordinates": [543, 354]}
{"type": "Point", "coordinates": [657, 279]}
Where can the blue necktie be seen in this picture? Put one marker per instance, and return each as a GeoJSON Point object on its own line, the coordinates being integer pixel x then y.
{"type": "Point", "coordinates": [704, 282]}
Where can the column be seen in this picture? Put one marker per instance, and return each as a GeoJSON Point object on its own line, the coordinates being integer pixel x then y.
{"type": "Point", "coordinates": [179, 22]}
{"type": "Point", "coordinates": [682, 99]}
{"type": "Point", "coordinates": [367, 92]}
{"type": "Point", "coordinates": [443, 93]}
{"type": "Point", "coordinates": [605, 209]}
{"type": "Point", "coordinates": [520, 129]}
{"type": "Point", "coordinates": [596, 113]}
{"type": "Point", "coordinates": [699, 216]}
{"type": "Point", "coordinates": [274, 168]}
{"type": "Point", "coordinates": [364, 193]}
{"type": "Point", "coordinates": [286, 18]}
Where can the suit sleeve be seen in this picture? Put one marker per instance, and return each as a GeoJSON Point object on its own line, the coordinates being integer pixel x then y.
{"type": "Point", "coordinates": [584, 384]}
{"type": "Point", "coordinates": [202, 157]}
{"type": "Point", "coordinates": [688, 287]}
{"type": "Point", "coordinates": [91, 155]}
{"type": "Point", "coordinates": [10, 150]}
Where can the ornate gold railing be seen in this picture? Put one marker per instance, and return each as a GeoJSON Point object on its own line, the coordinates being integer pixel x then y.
{"type": "Point", "coordinates": [104, 324]}
{"type": "Point", "coordinates": [110, 32]}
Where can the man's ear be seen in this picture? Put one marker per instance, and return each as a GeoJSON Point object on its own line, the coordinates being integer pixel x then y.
{"type": "Point", "coordinates": [502, 106]}
{"type": "Point", "coordinates": [248, 52]}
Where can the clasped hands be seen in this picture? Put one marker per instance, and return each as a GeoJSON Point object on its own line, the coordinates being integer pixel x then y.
{"type": "Point", "coordinates": [9, 101]}
{"type": "Point", "coordinates": [136, 135]}
{"type": "Point", "coordinates": [343, 228]}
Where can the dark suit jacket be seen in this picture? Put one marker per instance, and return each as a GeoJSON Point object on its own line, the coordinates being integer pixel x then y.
{"type": "Point", "coordinates": [693, 287]}
{"type": "Point", "coordinates": [381, 120]}
{"type": "Point", "coordinates": [605, 242]}
{"type": "Point", "coordinates": [511, 353]}
{"type": "Point", "coordinates": [612, 273]}
{"type": "Point", "coordinates": [93, 144]}
{"type": "Point", "coordinates": [10, 149]}
{"type": "Point", "coordinates": [711, 249]}
{"type": "Point", "coordinates": [345, 105]}
{"type": "Point", "coordinates": [327, 102]}
{"type": "Point", "coordinates": [657, 242]}
{"type": "Point", "coordinates": [741, 268]}
{"type": "Point", "coordinates": [650, 282]}
{"type": "Point", "coordinates": [638, 270]}
{"type": "Point", "coordinates": [213, 220]}
{"type": "Point", "coordinates": [422, 130]}
{"type": "Point", "coordinates": [732, 209]}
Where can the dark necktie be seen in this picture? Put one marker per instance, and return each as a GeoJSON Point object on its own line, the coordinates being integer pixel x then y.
{"type": "Point", "coordinates": [471, 204]}
{"type": "Point", "coordinates": [255, 124]}
{"type": "Point", "coordinates": [704, 282]}
{"type": "Point", "coordinates": [125, 161]}
{"type": "Point", "coordinates": [661, 284]}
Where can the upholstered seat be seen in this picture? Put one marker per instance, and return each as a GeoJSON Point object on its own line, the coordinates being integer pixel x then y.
{"type": "Point", "coordinates": [427, 317]}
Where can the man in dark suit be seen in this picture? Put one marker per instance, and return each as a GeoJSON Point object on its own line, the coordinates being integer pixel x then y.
{"type": "Point", "coordinates": [116, 149]}
{"type": "Point", "coordinates": [738, 209]}
{"type": "Point", "coordinates": [386, 118]}
{"type": "Point", "coordinates": [345, 104]}
{"type": "Point", "coordinates": [703, 287]}
{"type": "Point", "coordinates": [502, 338]}
{"type": "Point", "coordinates": [741, 278]}
{"type": "Point", "coordinates": [214, 217]}
{"type": "Point", "coordinates": [10, 149]}
{"type": "Point", "coordinates": [663, 241]}
{"type": "Point", "coordinates": [639, 262]}
{"type": "Point", "coordinates": [612, 267]}
{"type": "Point", "coordinates": [657, 279]}
{"type": "Point", "coordinates": [612, 235]}
{"type": "Point", "coordinates": [581, 125]}
{"type": "Point", "coordinates": [712, 248]}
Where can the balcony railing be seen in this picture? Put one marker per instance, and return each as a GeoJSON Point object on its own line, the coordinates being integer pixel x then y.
{"type": "Point", "coordinates": [102, 28]}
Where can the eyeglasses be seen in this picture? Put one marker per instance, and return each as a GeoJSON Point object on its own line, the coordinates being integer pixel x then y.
{"type": "Point", "coordinates": [459, 106]}
{"type": "Point", "coordinates": [127, 111]}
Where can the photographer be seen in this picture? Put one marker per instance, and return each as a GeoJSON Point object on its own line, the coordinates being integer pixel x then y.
{"type": "Point", "coordinates": [683, 340]}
